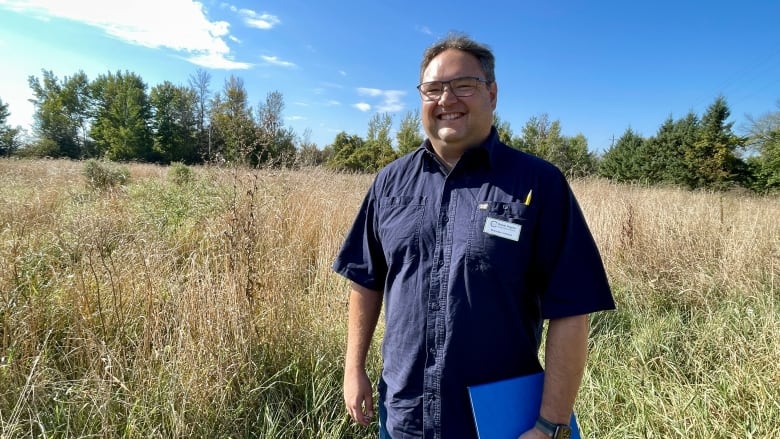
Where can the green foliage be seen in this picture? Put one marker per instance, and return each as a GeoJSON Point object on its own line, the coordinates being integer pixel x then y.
{"type": "Point", "coordinates": [103, 175]}
{"type": "Point", "coordinates": [543, 138]}
{"type": "Point", "coordinates": [711, 160]}
{"type": "Point", "coordinates": [409, 135]}
{"type": "Point", "coordinates": [61, 112]}
{"type": "Point", "coordinates": [121, 127]}
{"type": "Point", "coordinates": [9, 137]}
{"type": "Point", "coordinates": [180, 174]}
{"type": "Point", "coordinates": [624, 161]}
{"type": "Point", "coordinates": [234, 130]}
{"type": "Point", "coordinates": [174, 123]}
{"type": "Point", "coordinates": [764, 140]}
{"type": "Point", "coordinates": [352, 153]}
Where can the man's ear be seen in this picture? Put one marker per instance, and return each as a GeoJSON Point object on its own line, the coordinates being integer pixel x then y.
{"type": "Point", "coordinates": [493, 93]}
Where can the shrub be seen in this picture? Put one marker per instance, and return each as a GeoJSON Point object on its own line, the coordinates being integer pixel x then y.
{"type": "Point", "coordinates": [180, 174]}
{"type": "Point", "coordinates": [103, 175]}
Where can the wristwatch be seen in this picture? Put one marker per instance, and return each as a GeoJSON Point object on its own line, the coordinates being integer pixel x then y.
{"type": "Point", "coordinates": [555, 431]}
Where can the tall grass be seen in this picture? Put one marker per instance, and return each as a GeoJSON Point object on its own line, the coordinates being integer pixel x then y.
{"type": "Point", "coordinates": [207, 308]}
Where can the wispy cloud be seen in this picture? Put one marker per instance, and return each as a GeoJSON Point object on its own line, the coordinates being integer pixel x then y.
{"type": "Point", "coordinates": [362, 106]}
{"type": "Point", "coordinates": [263, 21]}
{"type": "Point", "coordinates": [179, 25]}
{"type": "Point", "coordinates": [390, 100]}
{"type": "Point", "coordinates": [424, 30]}
{"type": "Point", "coordinates": [274, 60]}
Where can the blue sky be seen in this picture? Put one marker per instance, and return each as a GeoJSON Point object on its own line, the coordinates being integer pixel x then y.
{"type": "Point", "coordinates": [598, 67]}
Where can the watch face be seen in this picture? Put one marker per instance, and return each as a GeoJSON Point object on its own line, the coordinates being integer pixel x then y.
{"type": "Point", "coordinates": [562, 432]}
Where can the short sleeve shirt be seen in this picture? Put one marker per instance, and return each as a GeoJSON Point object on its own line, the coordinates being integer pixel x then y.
{"type": "Point", "coordinates": [470, 263]}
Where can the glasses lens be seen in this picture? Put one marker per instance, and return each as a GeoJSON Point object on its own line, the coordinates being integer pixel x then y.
{"type": "Point", "coordinates": [432, 90]}
{"type": "Point", "coordinates": [463, 87]}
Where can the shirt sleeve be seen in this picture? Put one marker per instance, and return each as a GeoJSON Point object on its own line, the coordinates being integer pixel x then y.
{"type": "Point", "coordinates": [574, 280]}
{"type": "Point", "coordinates": [361, 258]}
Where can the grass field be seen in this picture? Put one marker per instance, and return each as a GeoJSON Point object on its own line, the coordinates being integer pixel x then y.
{"type": "Point", "coordinates": [208, 309]}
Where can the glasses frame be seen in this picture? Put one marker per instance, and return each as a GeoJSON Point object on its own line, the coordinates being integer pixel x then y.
{"type": "Point", "coordinates": [449, 86]}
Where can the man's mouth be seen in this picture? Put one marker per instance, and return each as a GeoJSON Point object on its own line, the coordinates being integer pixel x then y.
{"type": "Point", "coordinates": [450, 116]}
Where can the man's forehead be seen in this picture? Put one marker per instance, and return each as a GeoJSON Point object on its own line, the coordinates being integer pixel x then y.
{"type": "Point", "coordinates": [450, 64]}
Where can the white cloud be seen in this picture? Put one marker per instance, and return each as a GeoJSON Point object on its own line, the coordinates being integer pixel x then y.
{"type": "Point", "coordinates": [362, 106]}
{"type": "Point", "coordinates": [390, 99]}
{"type": "Point", "coordinates": [260, 21]}
{"type": "Point", "coordinates": [332, 103]}
{"type": "Point", "coordinates": [180, 25]}
{"type": "Point", "coordinates": [294, 118]}
{"type": "Point", "coordinates": [274, 60]}
{"type": "Point", "coordinates": [424, 30]}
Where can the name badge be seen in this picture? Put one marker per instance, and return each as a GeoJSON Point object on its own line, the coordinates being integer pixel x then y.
{"type": "Point", "coordinates": [502, 229]}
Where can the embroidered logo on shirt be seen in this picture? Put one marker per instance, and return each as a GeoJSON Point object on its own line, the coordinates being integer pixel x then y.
{"type": "Point", "coordinates": [502, 229]}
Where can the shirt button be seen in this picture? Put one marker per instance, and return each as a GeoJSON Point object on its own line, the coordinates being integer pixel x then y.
{"type": "Point", "coordinates": [444, 219]}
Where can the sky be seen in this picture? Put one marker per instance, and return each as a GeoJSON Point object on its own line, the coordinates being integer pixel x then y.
{"type": "Point", "coordinates": [598, 67]}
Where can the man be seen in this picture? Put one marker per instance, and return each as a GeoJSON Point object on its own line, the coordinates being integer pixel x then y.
{"type": "Point", "coordinates": [470, 245]}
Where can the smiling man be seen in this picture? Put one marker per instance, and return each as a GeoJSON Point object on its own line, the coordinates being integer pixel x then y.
{"type": "Point", "coordinates": [469, 245]}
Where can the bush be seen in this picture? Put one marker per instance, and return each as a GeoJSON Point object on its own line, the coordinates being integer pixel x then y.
{"type": "Point", "coordinates": [103, 175]}
{"type": "Point", "coordinates": [180, 174]}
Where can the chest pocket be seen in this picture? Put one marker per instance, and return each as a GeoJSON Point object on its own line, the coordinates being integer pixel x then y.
{"type": "Point", "coordinates": [488, 252]}
{"type": "Point", "coordinates": [400, 220]}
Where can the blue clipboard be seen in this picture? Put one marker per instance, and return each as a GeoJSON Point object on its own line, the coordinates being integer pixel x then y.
{"type": "Point", "coordinates": [508, 408]}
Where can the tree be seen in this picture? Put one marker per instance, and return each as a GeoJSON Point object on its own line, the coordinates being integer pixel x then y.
{"type": "Point", "coordinates": [711, 159]}
{"type": "Point", "coordinates": [121, 129]}
{"type": "Point", "coordinates": [9, 137]}
{"type": "Point", "coordinates": [174, 123]}
{"type": "Point", "coordinates": [346, 153]}
{"type": "Point", "coordinates": [234, 132]}
{"type": "Point", "coordinates": [504, 129]}
{"type": "Point", "coordinates": [408, 137]}
{"type": "Point", "coordinates": [764, 142]}
{"type": "Point", "coordinates": [61, 113]}
{"type": "Point", "coordinates": [543, 138]}
{"type": "Point", "coordinates": [379, 146]}
{"type": "Point", "coordinates": [200, 82]}
{"type": "Point", "coordinates": [623, 160]}
{"type": "Point", "coordinates": [664, 159]}
{"type": "Point", "coordinates": [276, 143]}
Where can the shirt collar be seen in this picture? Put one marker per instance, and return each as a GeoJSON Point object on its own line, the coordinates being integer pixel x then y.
{"type": "Point", "coordinates": [478, 157]}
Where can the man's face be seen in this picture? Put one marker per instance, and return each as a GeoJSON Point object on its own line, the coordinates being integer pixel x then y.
{"type": "Point", "coordinates": [454, 124]}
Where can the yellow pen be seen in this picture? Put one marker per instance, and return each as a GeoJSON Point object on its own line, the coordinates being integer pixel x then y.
{"type": "Point", "coordinates": [528, 197]}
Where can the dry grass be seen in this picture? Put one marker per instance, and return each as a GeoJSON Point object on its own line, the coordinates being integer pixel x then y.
{"type": "Point", "coordinates": [210, 310]}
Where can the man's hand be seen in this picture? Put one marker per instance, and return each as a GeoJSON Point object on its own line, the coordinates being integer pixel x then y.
{"type": "Point", "coordinates": [533, 434]}
{"type": "Point", "coordinates": [358, 395]}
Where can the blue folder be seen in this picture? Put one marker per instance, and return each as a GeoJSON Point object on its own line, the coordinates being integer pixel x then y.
{"type": "Point", "coordinates": [508, 408]}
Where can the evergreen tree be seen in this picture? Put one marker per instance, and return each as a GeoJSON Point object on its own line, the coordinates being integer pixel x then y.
{"type": "Point", "coordinates": [712, 160]}
{"type": "Point", "coordinates": [624, 160]}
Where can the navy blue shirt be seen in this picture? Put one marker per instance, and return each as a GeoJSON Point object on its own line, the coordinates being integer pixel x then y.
{"type": "Point", "coordinates": [470, 265]}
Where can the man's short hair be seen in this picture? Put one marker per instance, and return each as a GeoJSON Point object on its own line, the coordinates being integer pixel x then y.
{"type": "Point", "coordinates": [462, 42]}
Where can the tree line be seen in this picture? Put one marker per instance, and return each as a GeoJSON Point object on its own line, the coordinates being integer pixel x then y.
{"type": "Point", "coordinates": [113, 117]}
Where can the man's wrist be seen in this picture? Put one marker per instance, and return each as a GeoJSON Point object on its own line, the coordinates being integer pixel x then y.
{"type": "Point", "coordinates": [551, 429]}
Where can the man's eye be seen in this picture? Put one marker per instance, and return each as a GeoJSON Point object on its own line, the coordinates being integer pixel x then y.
{"type": "Point", "coordinates": [433, 89]}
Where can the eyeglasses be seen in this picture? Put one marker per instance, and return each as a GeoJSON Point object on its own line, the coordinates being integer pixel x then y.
{"type": "Point", "coordinates": [460, 87]}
